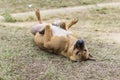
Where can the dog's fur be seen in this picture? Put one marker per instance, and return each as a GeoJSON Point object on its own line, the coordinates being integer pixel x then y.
{"type": "Point", "coordinates": [57, 39]}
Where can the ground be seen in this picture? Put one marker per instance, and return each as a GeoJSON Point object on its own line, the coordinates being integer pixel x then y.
{"type": "Point", "coordinates": [21, 59]}
{"type": "Point", "coordinates": [13, 6]}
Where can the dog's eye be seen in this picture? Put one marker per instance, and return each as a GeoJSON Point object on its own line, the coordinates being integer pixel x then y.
{"type": "Point", "coordinates": [77, 52]}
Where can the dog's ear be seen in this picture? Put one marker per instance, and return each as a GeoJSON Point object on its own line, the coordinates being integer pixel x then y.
{"type": "Point", "coordinates": [91, 58]}
{"type": "Point", "coordinates": [90, 55]}
{"type": "Point", "coordinates": [79, 45]}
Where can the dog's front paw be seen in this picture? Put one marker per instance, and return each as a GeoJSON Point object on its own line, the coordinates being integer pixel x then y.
{"type": "Point", "coordinates": [75, 21]}
{"type": "Point", "coordinates": [47, 27]}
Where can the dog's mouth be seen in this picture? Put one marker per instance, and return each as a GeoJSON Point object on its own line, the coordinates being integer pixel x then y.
{"type": "Point", "coordinates": [89, 59]}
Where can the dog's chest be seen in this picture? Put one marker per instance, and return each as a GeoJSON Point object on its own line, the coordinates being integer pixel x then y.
{"type": "Point", "coordinates": [56, 31]}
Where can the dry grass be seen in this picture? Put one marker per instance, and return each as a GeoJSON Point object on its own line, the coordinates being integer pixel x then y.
{"type": "Point", "coordinates": [21, 59]}
{"type": "Point", "coordinates": [13, 6]}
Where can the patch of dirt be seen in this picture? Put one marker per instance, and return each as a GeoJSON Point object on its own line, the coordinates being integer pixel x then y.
{"type": "Point", "coordinates": [110, 37]}
{"type": "Point", "coordinates": [63, 10]}
{"type": "Point", "coordinates": [35, 69]}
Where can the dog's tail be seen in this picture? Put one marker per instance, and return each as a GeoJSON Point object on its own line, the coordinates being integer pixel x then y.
{"type": "Point", "coordinates": [37, 12]}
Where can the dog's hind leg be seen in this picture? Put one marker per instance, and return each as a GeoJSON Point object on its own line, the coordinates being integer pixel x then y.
{"type": "Point", "coordinates": [37, 12]}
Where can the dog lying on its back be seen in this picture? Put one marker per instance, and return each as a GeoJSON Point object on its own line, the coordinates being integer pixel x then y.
{"type": "Point", "coordinates": [57, 39]}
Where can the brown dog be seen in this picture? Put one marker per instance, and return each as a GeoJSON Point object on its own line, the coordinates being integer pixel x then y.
{"type": "Point", "coordinates": [57, 39]}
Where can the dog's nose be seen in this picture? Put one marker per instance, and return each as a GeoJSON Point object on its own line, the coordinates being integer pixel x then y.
{"type": "Point", "coordinates": [80, 42]}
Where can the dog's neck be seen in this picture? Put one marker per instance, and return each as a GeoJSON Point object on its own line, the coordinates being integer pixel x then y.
{"type": "Point", "coordinates": [71, 43]}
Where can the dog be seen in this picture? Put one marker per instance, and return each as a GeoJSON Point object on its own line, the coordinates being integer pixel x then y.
{"type": "Point", "coordinates": [56, 38]}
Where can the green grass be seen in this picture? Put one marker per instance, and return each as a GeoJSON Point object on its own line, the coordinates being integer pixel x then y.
{"type": "Point", "coordinates": [13, 6]}
{"type": "Point", "coordinates": [21, 59]}
{"type": "Point", "coordinates": [8, 17]}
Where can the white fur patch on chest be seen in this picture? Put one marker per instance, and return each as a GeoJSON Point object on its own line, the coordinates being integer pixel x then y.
{"type": "Point", "coordinates": [57, 31]}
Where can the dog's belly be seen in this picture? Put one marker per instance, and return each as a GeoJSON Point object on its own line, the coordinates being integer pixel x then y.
{"type": "Point", "coordinates": [57, 31]}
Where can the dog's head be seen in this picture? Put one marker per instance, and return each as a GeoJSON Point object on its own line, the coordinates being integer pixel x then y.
{"type": "Point", "coordinates": [80, 52]}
